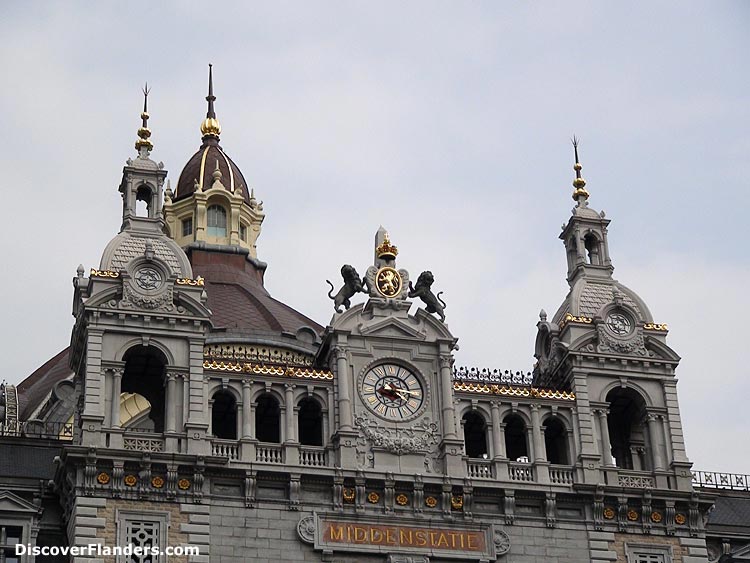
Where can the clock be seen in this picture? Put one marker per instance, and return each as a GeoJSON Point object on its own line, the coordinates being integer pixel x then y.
{"type": "Point", "coordinates": [619, 324]}
{"type": "Point", "coordinates": [392, 392]}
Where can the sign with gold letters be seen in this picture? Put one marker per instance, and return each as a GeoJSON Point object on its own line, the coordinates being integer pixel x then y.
{"type": "Point", "coordinates": [425, 536]}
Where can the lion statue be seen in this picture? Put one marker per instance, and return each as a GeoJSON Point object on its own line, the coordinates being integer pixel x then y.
{"type": "Point", "coordinates": [424, 292]}
{"type": "Point", "coordinates": [352, 286]}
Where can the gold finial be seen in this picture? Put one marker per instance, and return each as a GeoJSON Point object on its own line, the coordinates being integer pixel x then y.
{"type": "Point", "coordinates": [579, 183]}
{"type": "Point", "coordinates": [210, 126]}
{"type": "Point", "coordinates": [144, 132]}
{"type": "Point", "coordinates": [386, 250]}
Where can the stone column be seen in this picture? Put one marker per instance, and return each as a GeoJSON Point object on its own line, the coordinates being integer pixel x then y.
{"type": "Point", "coordinates": [331, 417]}
{"type": "Point", "coordinates": [538, 439]}
{"type": "Point", "coordinates": [116, 392]}
{"type": "Point", "coordinates": [530, 450]}
{"type": "Point", "coordinates": [345, 400]}
{"type": "Point", "coordinates": [171, 402]}
{"type": "Point", "coordinates": [247, 430]}
{"type": "Point", "coordinates": [446, 384]}
{"type": "Point", "coordinates": [653, 433]}
{"type": "Point", "coordinates": [291, 427]}
{"type": "Point", "coordinates": [604, 432]}
{"type": "Point", "coordinates": [239, 418]}
{"type": "Point", "coordinates": [664, 434]}
{"type": "Point", "coordinates": [498, 431]}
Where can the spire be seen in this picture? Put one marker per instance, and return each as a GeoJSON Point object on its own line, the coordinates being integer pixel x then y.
{"type": "Point", "coordinates": [579, 193]}
{"type": "Point", "coordinates": [210, 126]}
{"type": "Point", "coordinates": [144, 132]}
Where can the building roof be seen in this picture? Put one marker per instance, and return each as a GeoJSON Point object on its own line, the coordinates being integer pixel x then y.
{"type": "Point", "coordinates": [730, 511]}
{"type": "Point", "coordinates": [242, 308]}
{"type": "Point", "coordinates": [199, 170]}
{"type": "Point", "coordinates": [33, 390]}
{"type": "Point", "coordinates": [28, 458]}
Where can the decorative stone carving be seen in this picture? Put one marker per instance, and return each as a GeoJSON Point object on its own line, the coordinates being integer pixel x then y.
{"type": "Point", "coordinates": [502, 542]}
{"type": "Point", "coordinates": [306, 529]}
{"type": "Point", "coordinates": [135, 300]}
{"type": "Point", "coordinates": [421, 437]}
{"type": "Point", "coordinates": [631, 345]}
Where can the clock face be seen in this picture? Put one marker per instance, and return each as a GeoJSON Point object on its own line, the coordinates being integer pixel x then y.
{"type": "Point", "coordinates": [619, 324]}
{"type": "Point", "coordinates": [392, 392]}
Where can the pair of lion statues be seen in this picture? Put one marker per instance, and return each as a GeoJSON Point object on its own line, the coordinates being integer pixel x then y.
{"type": "Point", "coordinates": [353, 284]}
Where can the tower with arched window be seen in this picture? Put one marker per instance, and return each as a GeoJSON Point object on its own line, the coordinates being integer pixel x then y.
{"type": "Point", "coordinates": [604, 345]}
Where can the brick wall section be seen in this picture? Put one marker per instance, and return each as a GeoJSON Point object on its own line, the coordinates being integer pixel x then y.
{"type": "Point", "coordinates": [177, 519]}
{"type": "Point", "coordinates": [679, 552]}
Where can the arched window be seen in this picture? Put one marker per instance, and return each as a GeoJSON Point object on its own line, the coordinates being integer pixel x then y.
{"type": "Point", "coordinates": [144, 375]}
{"type": "Point", "coordinates": [310, 423]}
{"type": "Point", "coordinates": [217, 221]}
{"type": "Point", "coordinates": [592, 249]}
{"type": "Point", "coordinates": [627, 432]}
{"type": "Point", "coordinates": [556, 441]}
{"type": "Point", "coordinates": [475, 435]}
{"type": "Point", "coordinates": [268, 419]}
{"type": "Point", "coordinates": [224, 415]}
{"type": "Point", "coordinates": [516, 446]}
{"type": "Point", "coordinates": [143, 202]}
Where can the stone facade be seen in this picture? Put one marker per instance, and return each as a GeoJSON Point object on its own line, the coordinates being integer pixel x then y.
{"type": "Point", "coordinates": [202, 412]}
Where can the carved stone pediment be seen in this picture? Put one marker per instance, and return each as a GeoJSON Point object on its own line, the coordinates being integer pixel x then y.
{"type": "Point", "coordinates": [391, 327]}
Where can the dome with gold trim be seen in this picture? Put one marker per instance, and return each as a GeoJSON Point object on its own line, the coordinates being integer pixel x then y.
{"type": "Point", "coordinates": [211, 167]}
{"type": "Point", "coordinates": [199, 173]}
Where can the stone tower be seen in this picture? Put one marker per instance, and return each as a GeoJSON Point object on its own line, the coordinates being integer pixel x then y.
{"type": "Point", "coordinates": [604, 345]}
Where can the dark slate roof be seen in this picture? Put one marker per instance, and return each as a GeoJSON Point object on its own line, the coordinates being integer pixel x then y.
{"type": "Point", "coordinates": [240, 304]}
{"type": "Point", "coordinates": [33, 389]}
{"type": "Point", "coordinates": [205, 159]}
{"type": "Point", "coordinates": [730, 511]}
{"type": "Point", "coordinates": [20, 458]}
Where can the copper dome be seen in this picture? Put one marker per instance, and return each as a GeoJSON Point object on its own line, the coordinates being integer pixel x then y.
{"type": "Point", "coordinates": [199, 170]}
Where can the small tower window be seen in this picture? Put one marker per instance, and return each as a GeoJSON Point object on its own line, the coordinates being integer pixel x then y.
{"type": "Point", "coordinates": [592, 249]}
{"type": "Point", "coordinates": [143, 202]}
{"type": "Point", "coordinates": [217, 221]}
{"type": "Point", "coordinates": [243, 232]}
{"type": "Point", "coordinates": [187, 226]}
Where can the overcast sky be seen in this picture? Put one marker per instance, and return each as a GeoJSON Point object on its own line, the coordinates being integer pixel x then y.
{"type": "Point", "coordinates": [447, 122]}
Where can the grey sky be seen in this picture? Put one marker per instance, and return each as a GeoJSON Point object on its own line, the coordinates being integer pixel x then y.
{"type": "Point", "coordinates": [447, 122]}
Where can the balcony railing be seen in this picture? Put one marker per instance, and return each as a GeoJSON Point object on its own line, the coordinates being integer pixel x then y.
{"type": "Point", "coordinates": [140, 443]}
{"type": "Point", "coordinates": [560, 475]}
{"type": "Point", "coordinates": [269, 453]}
{"type": "Point", "coordinates": [520, 472]}
{"type": "Point", "coordinates": [634, 479]}
{"type": "Point", "coordinates": [479, 468]}
{"type": "Point", "coordinates": [225, 448]}
{"type": "Point", "coordinates": [38, 429]}
{"type": "Point", "coordinates": [312, 457]}
{"type": "Point", "coordinates": [715, 480]}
